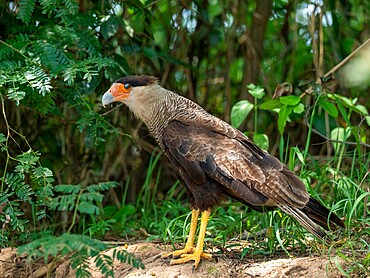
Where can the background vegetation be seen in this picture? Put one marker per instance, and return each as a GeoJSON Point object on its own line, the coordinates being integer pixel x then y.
{"type": "Point", "coordinates": [72, 172]}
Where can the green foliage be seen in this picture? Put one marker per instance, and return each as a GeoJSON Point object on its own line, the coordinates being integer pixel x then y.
{"type": "Point", "coordinates": [285, 106]}
{"type": "Point", "coordinates": [241, 109]}
{"type": "Point", "coordinates": [28, 186]}
{"type": "Point", "coordinates": [81, 248]}
{"type": "Point", "coordinates": [25, 10]}
{"type": "Point", "coordinates": [82, 199]}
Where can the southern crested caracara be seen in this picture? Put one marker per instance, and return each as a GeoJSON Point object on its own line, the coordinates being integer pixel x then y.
{"type": "Point", "coordinates": [214, 160]}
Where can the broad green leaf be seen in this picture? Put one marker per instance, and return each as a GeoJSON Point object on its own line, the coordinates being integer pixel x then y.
{"type": "Point", "coordinates": [283, 117]}
{"type": "Point", "coordinates": [239, 112]}
{"type": "Point", "coordinates": [256, 91]}
{"type": "Point", "coordinates": [329, 107]}
{"type": "Point", "coordinates": [339, 134]}
{"type": "Point", "coordinates": [261, 140]}
{"type": "Point", "coordinates": [290, 100]}
{"type": "Point", "coordinates": [270, 104]}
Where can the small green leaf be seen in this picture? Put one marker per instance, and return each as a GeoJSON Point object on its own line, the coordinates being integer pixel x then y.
{"type": "Point", "coordinates": [256, 91]}
{"type": "Point", "coordinates": [290, 100]}
{"type": "Point", "coordinates": [16, 95]}
{"type": "Point", "coordinates": [362, 109]}
{"type": "Point", "coordinates": [298, 109]}
{"type": "Point", "coordinates": [239, 112]}
{"type": "Point", "coordinates": [329, 107]}
{"type": "Point", "coordinates": [2, 138]}
{"type": "Point", "coordinates": [261, 140]}
{"type": "Point", "coordinates": [270, 104]}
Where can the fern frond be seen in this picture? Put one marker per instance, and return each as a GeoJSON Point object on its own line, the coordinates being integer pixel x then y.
{"type": "Point", "coordinates": [88, 208]}
{"type": "Point", "coordinates": [9, 66]}
{"type": "Point", "coordinates": [105, 264]}
{"type": "Point", "coordinates": [71, 6]}
{"type": "Point", "coordinates": [15, 181]}
{"type": "Point", "coordinates": [25, 10]}
{"type": "Point", "coordinates": [94, 125]}
{"type": "Point", "coordinates": [63, 203]}
{"type": "Point", "coordinates": [43, 104]}
{"type": "Point", "coordinates": [18, 43]}
{"type": "Point", "coordinates": [101, 186]}
{"type": "Point", "coordinates": [39, 80]}
{"type": "Point", "coordinates": [51, 57]}
{"type": "Point", "coordinates": [13, 214]}
{"type": "Point", "coordinates": [16, 95]}
{"type": "Point", "coordinates": [68, 188]}
{"type": "Point", "coordinates": [126, 257]}
{"type": "Point", "coordinates": [82, 247]}
{"type": "Point", "coordinates": [42, 177]}
{"type": "Point", "coordinates": [49, 6]}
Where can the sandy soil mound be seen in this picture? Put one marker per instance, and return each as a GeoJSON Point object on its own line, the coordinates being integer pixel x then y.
{"type": "Point", "coordinates": [155, 266]}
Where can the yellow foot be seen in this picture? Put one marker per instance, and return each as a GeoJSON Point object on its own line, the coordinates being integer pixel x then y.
{"type": "Point", "coordinates": [187, 254]}
{"type": "Point", "coordinates": [196, 257]}
{"type": "Point", "coordinates": [178, 253]}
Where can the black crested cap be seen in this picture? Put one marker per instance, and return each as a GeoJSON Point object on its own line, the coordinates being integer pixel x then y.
{"type": "Point", "coordinates": [137, 80]}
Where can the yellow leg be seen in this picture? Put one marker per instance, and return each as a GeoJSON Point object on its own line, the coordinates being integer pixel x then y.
{"type": "Point", "coordinates": [197, 253]}
{"type": "Point", "coordinates": [189, 246]}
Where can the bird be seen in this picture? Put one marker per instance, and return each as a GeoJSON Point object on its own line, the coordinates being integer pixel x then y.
{"type": "Point", "coordinates": [215, 161]}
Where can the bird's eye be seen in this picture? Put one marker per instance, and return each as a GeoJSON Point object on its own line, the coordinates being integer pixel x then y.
{"type": "Point", "coordinates": [127, 86]}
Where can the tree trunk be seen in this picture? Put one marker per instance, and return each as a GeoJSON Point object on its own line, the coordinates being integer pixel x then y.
{"type": "Point", "coordinates": [254, 45]}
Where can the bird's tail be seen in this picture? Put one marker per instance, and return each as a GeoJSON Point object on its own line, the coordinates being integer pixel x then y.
{"type": "Point", "coordinates": [314, 217]}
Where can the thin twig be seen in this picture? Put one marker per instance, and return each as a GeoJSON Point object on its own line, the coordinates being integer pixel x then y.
{"type": "Point", "coordinates": [338, 141]}
{"type": "Point", "coordinates": [111, 110]}
{"type": "Point", "coordinates": [345, 60]}
{"type": "Point", "coordinates": [335, 68]}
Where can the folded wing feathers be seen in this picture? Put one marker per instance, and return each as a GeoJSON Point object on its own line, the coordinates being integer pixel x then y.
{"type": "Point", "coordinates": [304, 220]}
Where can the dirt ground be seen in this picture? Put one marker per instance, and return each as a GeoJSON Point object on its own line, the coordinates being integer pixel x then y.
{"type": "Point", "coordinates": [221, 265]}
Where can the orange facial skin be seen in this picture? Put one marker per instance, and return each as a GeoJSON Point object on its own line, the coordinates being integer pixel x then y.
{"type": "Point", "coordinates": [117, 92]}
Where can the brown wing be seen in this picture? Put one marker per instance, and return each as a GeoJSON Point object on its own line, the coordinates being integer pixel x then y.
{"type": "Point", "coordinates": [242, 170]}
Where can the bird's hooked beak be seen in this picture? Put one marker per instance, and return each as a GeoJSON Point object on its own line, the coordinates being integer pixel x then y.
{"type": "Point", "coordinates": [117, 92]}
